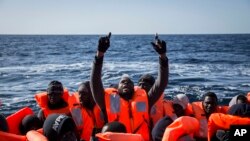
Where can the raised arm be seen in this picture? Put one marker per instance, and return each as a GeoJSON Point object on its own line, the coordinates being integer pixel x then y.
{"type": "Point", "coordinates": [95, 78]}
{"type": "Point", "coordinates": [162, 79]}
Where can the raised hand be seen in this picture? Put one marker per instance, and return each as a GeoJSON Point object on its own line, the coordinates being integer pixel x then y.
{"type": "Point", "coordinates": [159, 46]}
{"type": "Point", "coordinates": [104, 43]}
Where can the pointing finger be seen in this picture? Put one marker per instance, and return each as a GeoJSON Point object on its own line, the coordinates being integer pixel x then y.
{"type": "Point", "coordinates": [156, 36]}
{"type": "Point", "coordinates": [109, 35]}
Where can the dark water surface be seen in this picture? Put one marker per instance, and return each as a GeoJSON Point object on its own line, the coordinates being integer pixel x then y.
{"type": "Point", "coordinates": [198, 63]}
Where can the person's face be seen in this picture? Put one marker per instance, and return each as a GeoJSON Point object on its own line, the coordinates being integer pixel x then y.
{"type": "Point", "coordinates": [179, 111]}
{"type": "Point", "coordinates": [145, 85]}
{"type": "Point", "coordinates": [55, 96]}
{"type": "Point", "coordinates": [209, 104]}
{"type": "Point", "coordinates": [126, 87]}
{"type": "Point", "coordinates": [240, 101]}
{"type": "Point", "coordinates": [69, 136]}
{"type": "Point", "coordinates": [85, 96]}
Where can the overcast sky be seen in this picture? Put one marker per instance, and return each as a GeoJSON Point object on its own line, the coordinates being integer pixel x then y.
{"type": "Point", "coordinates": [124, 16]}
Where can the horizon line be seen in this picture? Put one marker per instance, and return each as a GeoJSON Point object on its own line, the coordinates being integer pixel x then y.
{"type": "Point", "coordinates": [91, 34]}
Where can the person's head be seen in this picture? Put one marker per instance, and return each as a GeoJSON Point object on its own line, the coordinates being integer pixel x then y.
{"type": "Point", "coordinates": [159, 128]}
{"type": "Point", "coordinates": [55, 92]}
{"type": "Point", "coordinates": [180, 103]}
{"type": "Point", "coordinates": [59, 127]}
{"type": "Point", "coordinates": [126, 87]}
{"type": "Point", "coordinates": [3, 124]}
{"type": "Point", "coordinates": [241, 99]}
{"type": "Point", "coordinates": [209, 103]}
{"type": "Point", "coordinates": [237, 100]}
{"type": "Point", "coordinates": [114, 126]}
{"type": "Point", "coordinates": [30, 122]}
{"type": "Point", "coordinates": [241, 109]}
{"type": "Point", "coordinates": [146, 81]}
{"type": "Point", "coordinates": [85, 95]}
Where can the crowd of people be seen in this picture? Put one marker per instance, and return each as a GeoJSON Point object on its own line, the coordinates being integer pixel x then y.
{"type": "Point", "coordinates": [124, 111]}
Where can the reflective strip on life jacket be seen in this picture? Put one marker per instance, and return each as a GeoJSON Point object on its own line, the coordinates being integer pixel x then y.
{"type": "Point", "coordinates": [156, 112]}
{"type": "Point", "coordinates": [109, 136]}
{"type": "Point", "coordinates": [184, 125]}
{"type": "Point", "coordinates": [15, 119]}
{"type": "Point", "coordinates": [115, 103]}
{"type": "Point", "coordinates": [76, 114]}
{"type": "Point", "coordinates": [75, 110]}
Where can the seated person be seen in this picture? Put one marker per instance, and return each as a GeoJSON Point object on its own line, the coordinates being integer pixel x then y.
{"type": "Point", "coordinates": [237, 99]}
{"type": "Point", "coordinates": [59, 127]}
{"type": "Point", "coordinates": [178, 107]}
{"type": "Point", "coordinates": [119, 104]}
{"type": "Point", "coordinates": [53, 101]}
{"type": "Point", "coordinates": [203, 109]}
{"type": "Point", "coordinates": [85, 112]}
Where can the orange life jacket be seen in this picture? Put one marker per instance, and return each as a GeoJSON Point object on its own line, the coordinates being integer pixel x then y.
{"type": "Point", "coordinates": [223, 121]}
{"type": "Point", "coordinates": [168, 109]}
{"type": "Point", "coordinates": [133, 113]}
{"type": "Point", "coordinates": [184, 125]}
{"type": "Point", "coordinates": [109, 136]}
{"type": "Point", "coordinates": [4, 136]}
{"type": "Point", "coordinates": [199, 114]}
{"type": "Point", "coordinates": [189, 110]}
{"type": "Point", "coordinates": [156, 112]}
{"type": "Point", "coordinates": [42, 101]}
{"type": "Point", "coordinates": [85, 119]}
{"type": "Point", "coordinates": [223, 109]}
{"type": "Point", "coordinates": [30, 136]}
{"type": "Point", "coordinates": [15, 119]}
